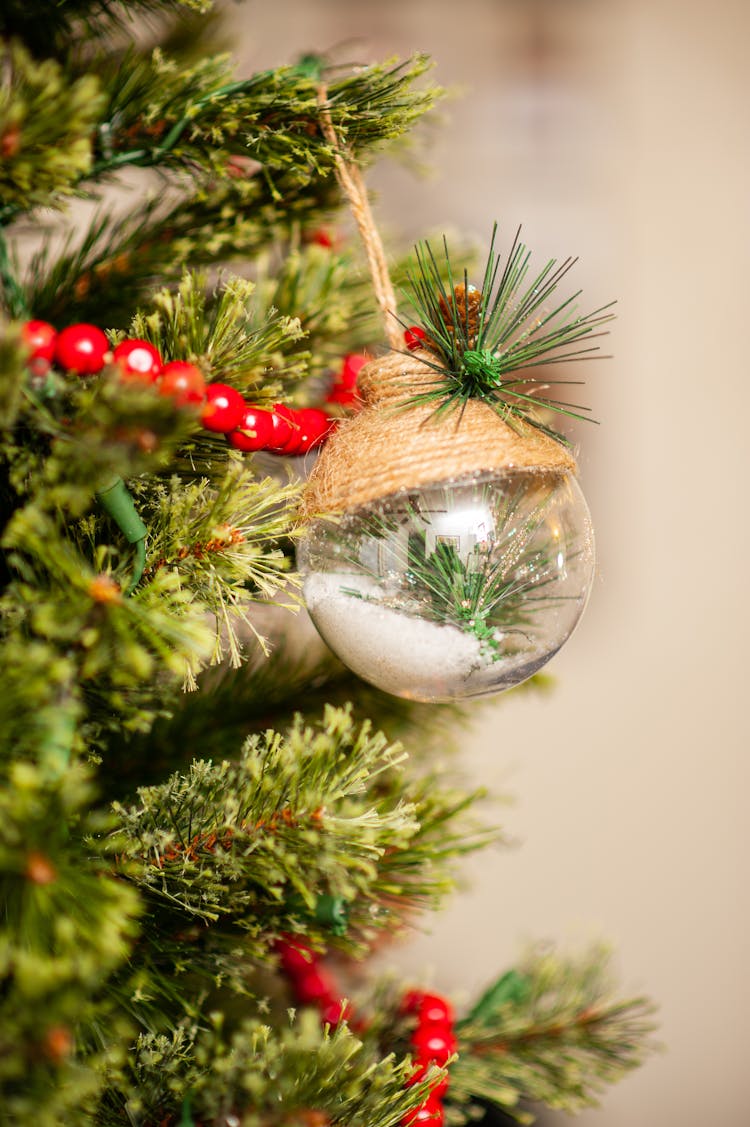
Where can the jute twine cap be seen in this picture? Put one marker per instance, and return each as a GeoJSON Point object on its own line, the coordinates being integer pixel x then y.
{"type": "Point", "coordinates": [388, 447]}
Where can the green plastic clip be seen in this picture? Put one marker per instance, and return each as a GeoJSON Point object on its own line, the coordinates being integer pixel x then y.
{"type": "Point", "coordinates": [118, 504]}
{"type": "Point", "coordinates": [511, 987]}
{"type": "Point", "coordinates": [311, 66]}
{"type": "Point", "coordinates": [186, 1119]}
{"type": "Point", "coordinates": [332, 912]}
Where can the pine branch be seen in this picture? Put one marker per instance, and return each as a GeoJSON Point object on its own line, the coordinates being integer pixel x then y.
{"type": "Point", "coordinates": [550, 1033]}
{"type": "Point", "coordinates": [298, 1076]}
{"type": "Point", "coordinates": [234, 703]}
{"type": "Point", "coordinates": [226, 332]}
{"type": "Point", "coordinates": [160, 114]}
{"type": "Point", "coordinates": [106, 274]}
{"type": "Point", "coordinates": [68, 926]}
{"type": "Point", "coordinates": [13, 376]}
{"type": "Point", "coordinates": [60, 598]}
{"type": "Point", "coordinates": [317, 811]}
{"type": "Point", "coordinates": [222, 540]}
{"type": "Point", "coordinates": [47, 122]}
{"type": "Point", "coordinates": [231, 704]}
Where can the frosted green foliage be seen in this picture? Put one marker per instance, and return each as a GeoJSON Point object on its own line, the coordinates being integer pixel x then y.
{"type": "Point", "coordinates": [68, 925]}
{"type": "Point", "coordinates": [104, 273]}
{"type": "Point", "coordinates": [559, 1038]}
{"type": "Point", "coordinates": [77, 435]}
{"type": "Point", "coordinates": [271, 1076]}
{"type": "Point", "coordinates": [46, 129]}
{"type": "Point", "coordinates": [224, 331]}
{"type": "Point", "coordinates": [41, 704]}
{"type": "Point", "coordinates": [61, 597]}
{"type": "Point", "coordinates": [161, 111]}
{"type": "Point", "coordinates": [321, 288]}
{"type": "Point", "coordinates": [222, 540]}
{"type": "Point", "coordinates": [295, 816]}
{"type": "Point", "coordinates": [12, 376]}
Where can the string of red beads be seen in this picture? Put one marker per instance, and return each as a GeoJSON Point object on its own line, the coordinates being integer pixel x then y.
{"type": "Point", "coordinates": [432, 1042]}
{"type": "Point", "coordinates": [84, 350]}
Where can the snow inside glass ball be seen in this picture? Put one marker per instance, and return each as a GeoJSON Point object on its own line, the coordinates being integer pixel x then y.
{"type": "Point", "coordinates": [452, 590]}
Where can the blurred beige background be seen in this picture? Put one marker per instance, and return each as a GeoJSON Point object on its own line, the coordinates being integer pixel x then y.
{"type": "Point", "coordinates": [615, 130]}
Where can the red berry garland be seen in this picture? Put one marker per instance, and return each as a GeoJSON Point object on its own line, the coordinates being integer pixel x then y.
{"type": "Point", "coordinates": [314, 425]}
{"type": "Point", "coordinates": [84, 350]}
{"type": "Point", "coordinates": [432, 1041]}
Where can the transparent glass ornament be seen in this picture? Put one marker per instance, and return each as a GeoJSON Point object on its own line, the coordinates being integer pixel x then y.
{"type": "Point", "coordinates": [453, 590]}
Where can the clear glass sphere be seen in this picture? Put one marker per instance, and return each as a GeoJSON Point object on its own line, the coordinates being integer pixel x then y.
{"type": "Point", "coordinates": [455, 590]}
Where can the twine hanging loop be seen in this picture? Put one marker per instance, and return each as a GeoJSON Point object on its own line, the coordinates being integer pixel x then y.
{"type": "Point", "coordinates": [353, 186]}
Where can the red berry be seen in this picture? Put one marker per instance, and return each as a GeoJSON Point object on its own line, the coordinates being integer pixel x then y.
{"type": "Point", "coordinates": [315, 987]}
{"type": "Point", "coordinates": [254, 430]}
{"type": "Point", "coordinates": [411, 1001]}
{"type": "Point", "coordinates": [433, 1043]}
{"type": "Point", "coordinates": [223, 409]}
{"type": "Point", "coordinates": [438, 1089]}
{"type": "Point", "coordinates": [40, 338]}
{"type": "Point", "coordinates": [344, 390]}
{"type": "Point", "coordinates": [322, 238]}
{"type": "Point", "coordinates": [350, 369]}
{"type": "Point", "coordinates": [314, 425]}
{"type": "Point", "coordinates": [82, 349]}
{"type": "Point", "coordinates": [295, 956]}
{"type": "Point", "coordinates": [430, 1112]}
{"type": "Point", "coordinates": [333, 1013]}
{"type": "Point", "coordinates": [138, 360]}
{"type": "Point", "coordinates": [344, 398]}
{"type": "Point", "coordinates": [183, 381]}
{"type": "Point", "coordinates": [285, 429]}
{"type": "Point", "coordinates": [430, 1009]}
{"type": "Point", "coordinates": [414, 337]}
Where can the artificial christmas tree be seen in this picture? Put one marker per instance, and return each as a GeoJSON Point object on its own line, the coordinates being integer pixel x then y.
{"type": "Point", "coordinates": [178, 866]}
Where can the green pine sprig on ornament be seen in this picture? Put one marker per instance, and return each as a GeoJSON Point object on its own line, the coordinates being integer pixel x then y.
{"type": "Point", "coordinates": [482, 340]}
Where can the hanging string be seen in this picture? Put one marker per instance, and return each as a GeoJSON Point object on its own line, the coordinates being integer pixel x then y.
{"type": "Point", "coordinates": [353, 187]}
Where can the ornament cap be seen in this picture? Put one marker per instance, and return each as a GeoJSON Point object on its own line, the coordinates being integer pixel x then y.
{"type": "Point", "coordinates": [390, 447]}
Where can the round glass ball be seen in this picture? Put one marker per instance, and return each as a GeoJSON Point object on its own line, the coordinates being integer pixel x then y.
{"type": "Point", "coordinates": [454, 590]}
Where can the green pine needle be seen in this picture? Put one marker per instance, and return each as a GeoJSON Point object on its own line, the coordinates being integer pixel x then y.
{"type": "Point", "coordinates": [519, 323]}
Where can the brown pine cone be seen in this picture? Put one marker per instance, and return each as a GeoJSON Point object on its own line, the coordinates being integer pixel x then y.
{"type": "Point", "coordinates": [468, 303]}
